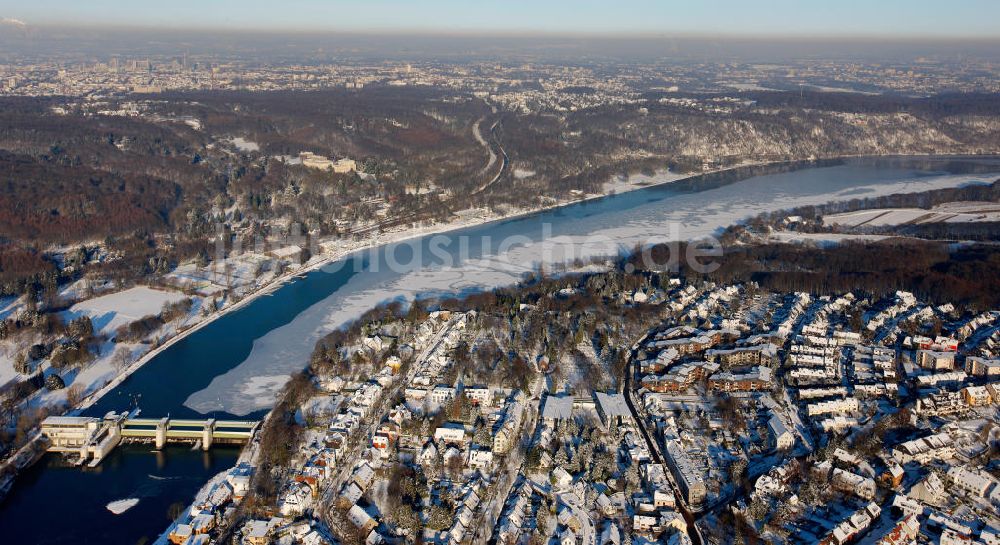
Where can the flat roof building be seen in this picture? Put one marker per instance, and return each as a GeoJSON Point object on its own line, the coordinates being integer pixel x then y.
{"type": "Point", "coordinates": [557, 408]}
{"type": "Point", "coordinates": [612, 409]}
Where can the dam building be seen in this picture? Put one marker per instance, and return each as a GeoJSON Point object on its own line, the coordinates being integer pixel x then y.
{"type": "Point", "coordinates": [93, 438]}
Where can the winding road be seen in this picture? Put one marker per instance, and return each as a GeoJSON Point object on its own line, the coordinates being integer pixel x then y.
{"type": "Point", "coordinates": [495, 150]}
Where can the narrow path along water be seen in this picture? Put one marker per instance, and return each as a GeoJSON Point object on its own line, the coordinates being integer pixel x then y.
{"type": "Point", "coordinates": [234, 366]}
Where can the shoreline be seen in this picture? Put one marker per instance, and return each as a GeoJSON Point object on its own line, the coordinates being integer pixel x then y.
{"type": "Point", "coordinates": [351, 247]}
{"type": "Point", "coordinates": [248, 455]}
{"type": "Point", "coordinates": [442, 228]}
{"type": "Point", "coordinates": [326, 259]}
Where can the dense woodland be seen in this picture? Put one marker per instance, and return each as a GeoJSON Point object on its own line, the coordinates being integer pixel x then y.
{"type": "Point", "coordinates": [935, 271]}
{"type": "Point", "coordinates": [577, 150]}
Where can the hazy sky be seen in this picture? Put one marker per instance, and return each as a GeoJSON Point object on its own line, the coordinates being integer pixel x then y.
{"type": "Point", "coordinates": [954, 18]}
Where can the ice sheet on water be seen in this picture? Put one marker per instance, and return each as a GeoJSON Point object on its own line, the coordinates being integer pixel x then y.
{"type": "Point", "coordinates": [120, 506]}
{"type": "Point", "coordinates": [253, 384]}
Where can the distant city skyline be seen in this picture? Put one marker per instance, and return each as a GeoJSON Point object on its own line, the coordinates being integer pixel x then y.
{"type": "Point", "coordinates": [882, 18]}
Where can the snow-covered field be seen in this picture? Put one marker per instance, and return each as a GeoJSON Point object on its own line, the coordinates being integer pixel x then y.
{"type": "Point", "coordinates": [954, 212]}
{"type": "Point", "coordinates": [820, 239]}
{"type": "Point", "coordinates": [740, 86]}
{"type": "Point", "coordinates": [599, 232]}
{"type": "Point", "coordinates": [109, 312]}
{"type": "Point", "coordinates": [7, 372]}
{"type": "Point", "coordinates": [987, 211]}
{"type": "Point", "coordinates": [239, 272]}
{"type": "Point", "coordinates": [874, 217]}
{"type": "Point", "coordinates": [522, 173]}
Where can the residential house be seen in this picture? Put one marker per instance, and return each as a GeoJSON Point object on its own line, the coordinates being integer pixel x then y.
{"type": "Point", "coordinates": [936, 360]}
{"type": "Point", "coordinates": [451, 433]}
{"type": "Point", "coordinates": [361, 519]}
{"type": "Point", "coordinates": [781, 438]}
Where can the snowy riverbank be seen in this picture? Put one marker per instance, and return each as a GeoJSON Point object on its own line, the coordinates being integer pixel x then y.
{"type": "Point", "coordinates": [347, 248]}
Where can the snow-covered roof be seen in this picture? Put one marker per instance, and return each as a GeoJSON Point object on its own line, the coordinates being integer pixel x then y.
{"type": "Point", "coordinates": [558, 407]}
{"type": "Point", "coordinates": [611, 404]}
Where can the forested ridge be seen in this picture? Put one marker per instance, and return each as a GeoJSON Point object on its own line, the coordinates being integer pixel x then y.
{"type": "Point", "coordinates": [151, 178]}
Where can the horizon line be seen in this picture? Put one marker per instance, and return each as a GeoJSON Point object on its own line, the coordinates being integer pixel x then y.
{"type": "Point", "coordinates": [622, 34]}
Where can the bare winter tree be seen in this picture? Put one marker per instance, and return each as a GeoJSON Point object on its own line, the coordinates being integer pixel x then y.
{"type": "Point", "coordinates": [122, 358]}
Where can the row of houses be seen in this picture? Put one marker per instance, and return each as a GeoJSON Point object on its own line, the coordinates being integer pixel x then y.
{"type": "Point", "coordinates": [749, 380]}
{"type": "Point", "coordinates": [939, 446]}
{"type": "Point", "coordinates": [211, 508]}
{"type": "Point", "coordinates": [947, 403]}
{"type": "Point", "coordinates": [982, 367]}
{"type": "Point", "coordinates": [904, 301]}
{"type": "Point", "coordinates": [765, 354]}
{"type": "Point", "coordinates": [845, 481]}
{"type": "Point", "coordinates": [854, 526]}
{"type": "Point", "coordinates": [834, 406]}
{"type": "Point", "coordinates": [689, 478]}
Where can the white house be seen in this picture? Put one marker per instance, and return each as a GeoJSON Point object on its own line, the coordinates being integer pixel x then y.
{"type": "Point", "coordinates": [561, 478]}
{"type": "Point", "coordinates": [835, 406]}
{"type": "Point", "coordinates": [643, 523]}
{"type": "Point", "coordinates": [363, 475]}
{"type": "Point", "coordinates": [781, 437]}
{"type": "Point", "coordinates": [428, 455]}
{"type": "Point", "coordinates": [973, 482]}
{"type": "Point", "coordinates": [480, 459]}
{"type": "Point", "coordinates": [360, 518]}
{"type": "Point", "coordinates": [351, 493]}
{"type": "Point", "coordinates": [450, 433]}
{"type": "Point", "coordinates": [442, 394]}
{"type": "Point", "coordinates": [479, 395]}
{"type": "Point", "coordinates": [296, 500]}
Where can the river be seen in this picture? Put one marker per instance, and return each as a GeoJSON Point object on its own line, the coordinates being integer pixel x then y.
{"type": "Point", "coordinates": [233, 366]}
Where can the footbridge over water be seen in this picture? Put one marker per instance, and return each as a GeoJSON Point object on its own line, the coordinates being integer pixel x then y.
{"type": "Point", "coordinates": [93, 438]}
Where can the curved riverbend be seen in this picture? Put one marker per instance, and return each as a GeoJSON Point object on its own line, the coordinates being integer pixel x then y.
{"type": "Point", "coordinates": [234, 365]}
